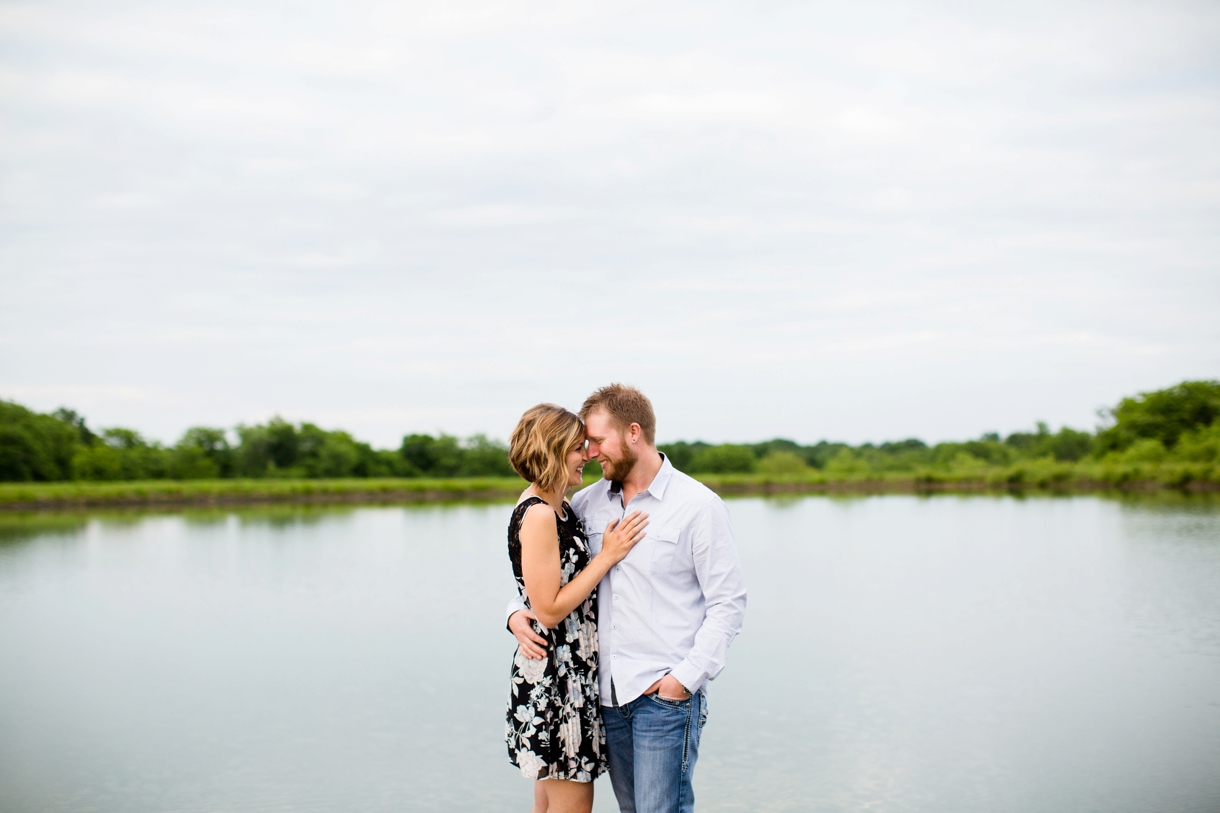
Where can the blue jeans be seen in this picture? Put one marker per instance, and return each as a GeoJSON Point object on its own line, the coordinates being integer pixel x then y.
{"type": "Point", "coordinates": [653, 746]}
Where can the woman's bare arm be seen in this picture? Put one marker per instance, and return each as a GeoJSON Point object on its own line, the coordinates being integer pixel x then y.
{"type": "Point", "coordinates": [540, 565]}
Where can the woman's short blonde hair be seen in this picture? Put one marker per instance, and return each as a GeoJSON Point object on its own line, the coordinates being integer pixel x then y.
{"type": "Point", "coordinates": [539, 446]}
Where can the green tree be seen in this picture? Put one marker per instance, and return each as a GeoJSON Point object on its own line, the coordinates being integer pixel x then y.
{"type": "Point", "coordinates": [1070, 444]}
{"type": "Point", "coordinates": [765, 448]}
{"type": "Point", "coordinates": [1066, 444]}
{"type": "Point", "coordinates": [681, 454]}
{"type": "Point", "coordinates": [782, 461]}
{"type": "Point", "coordinates": [988, 449]}
{"type": "Point", "coordinates": [313, 452]}
{"type": "Point", "coordinates": [22, 457]}
{"type": "Point", "coordinates": [1162, 415]}
{"type": "Point", "coordinates": [122, 454]}
{"type": "Point", "coordinates": [192, 463]}
{"type": "Point", "coordinates": [204, 443]}
{"type": "Point", "coordinates": [266, 449]}
{"type": "Point", "coordinates": [97, 462]}
{"type": "Point", "coordinates": [483, 457]}
{"type": "Point", "coordinates": [1200, 445]}
{"type": "Point", "coordinates": [821, 453]}
{"type": "Point", "coordinates": [35, 446]}
{"type": "Point", "coordinates": [282, 443]}
{"type": "Point", "coordinates": [728, 458]}
{"type": "Point", "coordinates": [70, 417]}
{"type": "Point", "coordinates": [965, 464]}
{"type": "Point", "coordinates": [901, 455]}
{"type": "Point", "coordinates": [426, 456]}
{"type": "Point", "coordinates": [1146, 450]}
{"type": "Point", "coordinates": [339, 456]}
{"type": "Point", "coordinates": [848, 464]}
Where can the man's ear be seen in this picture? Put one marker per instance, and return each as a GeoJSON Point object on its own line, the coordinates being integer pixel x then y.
{"type": "Point", "coordinates": [635, 430]}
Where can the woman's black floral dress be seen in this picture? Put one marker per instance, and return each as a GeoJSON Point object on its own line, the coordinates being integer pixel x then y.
{"type": "Point", "coordinates": [554, 728]}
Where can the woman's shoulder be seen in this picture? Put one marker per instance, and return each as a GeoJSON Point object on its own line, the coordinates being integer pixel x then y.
{"type": "Point", "coordinates": [523, 509]}
{"type": "Point", "coordinates": [527, 501]}
{"type": "Point", "coordinates": [536, 512]}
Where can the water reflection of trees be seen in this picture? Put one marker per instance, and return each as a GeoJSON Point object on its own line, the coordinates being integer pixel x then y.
{"type": "Point", "coordinates": [1168, 501]}
{"type": "Point", "coordinates": [19, 527]}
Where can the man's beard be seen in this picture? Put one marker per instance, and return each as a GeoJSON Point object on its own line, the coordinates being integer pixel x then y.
{"type": "Point", "coordinates": [619, 469]}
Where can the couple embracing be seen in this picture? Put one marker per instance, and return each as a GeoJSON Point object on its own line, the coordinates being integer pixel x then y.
{"type": "Point", "coordinates": [629, 597]}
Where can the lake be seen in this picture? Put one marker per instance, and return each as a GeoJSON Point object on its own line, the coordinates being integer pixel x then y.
{"type": "Point", "coordinates": [899, 654]}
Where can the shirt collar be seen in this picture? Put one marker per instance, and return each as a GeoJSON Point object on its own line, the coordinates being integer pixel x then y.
{"type": "Point", "coordinates": [658, 485]}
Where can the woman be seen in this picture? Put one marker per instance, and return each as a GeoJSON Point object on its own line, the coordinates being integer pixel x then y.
{"type": "Point", "coordinates": [554, 729]}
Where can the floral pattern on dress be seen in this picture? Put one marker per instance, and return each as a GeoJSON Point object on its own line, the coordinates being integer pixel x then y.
{"type": "Point", "coordinates": [554, 724]}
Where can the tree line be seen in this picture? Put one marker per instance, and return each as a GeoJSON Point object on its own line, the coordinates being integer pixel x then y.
{"type": "Point", "coordinates": [61, 446]}
{"type": "Point", "coordinates": [1176, 424]}
{"type": "Point", "coordinates": [1179, 423]}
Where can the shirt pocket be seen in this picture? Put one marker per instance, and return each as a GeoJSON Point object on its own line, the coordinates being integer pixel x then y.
{"type": "Point", "coordinates": [664, 542]}
{"type": "Point", "coordinates": [595, 528]}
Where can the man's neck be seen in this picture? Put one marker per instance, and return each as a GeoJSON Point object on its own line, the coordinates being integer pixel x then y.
{"type": "Point", "coordinates": [642, 473]}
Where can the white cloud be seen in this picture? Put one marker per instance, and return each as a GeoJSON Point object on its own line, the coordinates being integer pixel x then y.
{"type": "Point", "coordinates": [429, 215]}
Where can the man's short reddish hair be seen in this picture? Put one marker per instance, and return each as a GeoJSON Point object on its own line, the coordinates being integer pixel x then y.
{"type": "Point", "coordinates": [625, 405]}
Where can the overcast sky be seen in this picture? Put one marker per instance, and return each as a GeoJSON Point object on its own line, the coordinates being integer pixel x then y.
{"type": "Point", "coordinates": [840, 220]}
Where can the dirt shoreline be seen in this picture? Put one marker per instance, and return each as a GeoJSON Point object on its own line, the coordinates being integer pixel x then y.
{"type": "Point", "coordinates": [221, 500]}
{"type": "Point", "coordinates": [916, 486]}
{"type": "Point", "coordinates": [169, 499]}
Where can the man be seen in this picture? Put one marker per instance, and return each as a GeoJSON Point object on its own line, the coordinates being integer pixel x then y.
{"type": "Point", "coordinates": [666, 613]}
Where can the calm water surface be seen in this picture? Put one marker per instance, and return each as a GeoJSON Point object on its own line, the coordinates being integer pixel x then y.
{"type": "Point", "coordinates": [900, 654]}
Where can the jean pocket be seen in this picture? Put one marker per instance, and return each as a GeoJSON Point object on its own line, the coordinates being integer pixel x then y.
{"type": "Point", "coordinates": [668, 702]}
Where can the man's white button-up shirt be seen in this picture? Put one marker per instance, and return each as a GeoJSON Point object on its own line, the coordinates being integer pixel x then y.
{"type": "Point", "coordinates": [677, 600]}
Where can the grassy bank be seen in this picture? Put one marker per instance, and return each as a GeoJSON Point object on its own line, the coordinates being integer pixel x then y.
{"type": "Point", "coordinates": [243, 492]}
{"type": "Point", "coordinates": [1032, 475]}
{"type": "Point", "coordinates": [1035, 475]}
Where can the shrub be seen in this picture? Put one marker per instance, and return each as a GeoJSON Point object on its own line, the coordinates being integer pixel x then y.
{"type": "Point", "coordinates": [781, 463]}
{"type": "Point", "coordinates": [1200, 445]}
{"type": "Point", "coordinates": [847, 464]}
{"type": "Point", "coordinates": [34, 446]}
{"type": "Point", "coordinates": [1163, 415]}
{"type": "Point", "coordinates": [192, 463]}
{"type": "Point", "coordinates": [21, 457]}
{"type": "Point", "coordinates": [1149, 450]}
{"type": "Point", "coordinates": [726, 459]}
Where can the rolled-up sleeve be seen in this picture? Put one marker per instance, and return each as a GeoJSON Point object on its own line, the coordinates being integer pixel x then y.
{"type": "Point", "coordinates": [718, 571]}
{"type": "Point", "coordinates": [515, 604]}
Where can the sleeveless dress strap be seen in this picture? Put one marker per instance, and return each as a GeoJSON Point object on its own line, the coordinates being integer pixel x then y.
{"type": "Point", "coordinates": [534, 499]}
